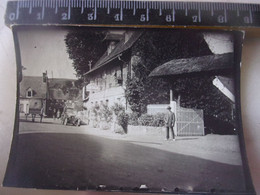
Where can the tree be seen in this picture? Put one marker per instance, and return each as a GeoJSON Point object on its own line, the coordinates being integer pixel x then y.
{"type": "Point", "coordinates": [85, 47]}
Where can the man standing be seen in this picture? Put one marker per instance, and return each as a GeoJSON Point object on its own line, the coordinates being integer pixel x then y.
{"type": "Point", "coordinates": [169, 122]}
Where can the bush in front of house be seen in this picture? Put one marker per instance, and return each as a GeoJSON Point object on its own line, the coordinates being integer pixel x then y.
{"type": "Point", "coordinates": [122, 120]}
{"type": "Point", "coordinates": [117, 108]}
{"type": "Point", "coordinates": [156, 120]}
{"type": "Point", "coordinates": [105, 113]}
{"type": "Point", "coordinates": [133, 119]}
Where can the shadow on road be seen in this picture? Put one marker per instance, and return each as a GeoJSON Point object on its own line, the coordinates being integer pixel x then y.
{"type": "Point", "coordinates": [187, 138]}
{"type": "Point", "coordinates": [63, 161]}
{"type": "Point", "coordinates": [139, 142]}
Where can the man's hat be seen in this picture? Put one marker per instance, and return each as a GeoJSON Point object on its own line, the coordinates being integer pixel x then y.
{"type": "Point", "coordinates": [169, 108]}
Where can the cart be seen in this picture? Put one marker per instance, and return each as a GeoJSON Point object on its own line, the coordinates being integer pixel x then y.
{"type": "Point", "coordinates": [35, 108]}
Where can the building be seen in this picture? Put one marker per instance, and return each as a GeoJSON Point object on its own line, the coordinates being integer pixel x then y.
{"type": "Point", "coordinates": [33, 93]}
{"type": "Point", "coordinates": [109, 74]}
{"type": "Point", "coordinates": [49, 94]}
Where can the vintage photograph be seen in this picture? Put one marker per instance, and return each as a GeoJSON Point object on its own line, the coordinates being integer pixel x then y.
{"type": "Point", "coordinates": [149, 110]}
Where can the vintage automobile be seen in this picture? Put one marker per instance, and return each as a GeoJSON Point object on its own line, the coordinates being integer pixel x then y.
{"type": "Point", "coordinates": [69, 116]}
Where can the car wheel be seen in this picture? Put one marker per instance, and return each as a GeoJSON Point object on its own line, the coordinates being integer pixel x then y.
{"type": "Point", "coordinates": [66, 121]}
{"type": "Point", "coordinates": [78, 123]}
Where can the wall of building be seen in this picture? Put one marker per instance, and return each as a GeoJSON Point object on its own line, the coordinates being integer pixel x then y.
{"type": "Point", "coordinates": [108, 85]}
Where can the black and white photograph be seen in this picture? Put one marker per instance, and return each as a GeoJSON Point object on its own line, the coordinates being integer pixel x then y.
{"type": "Point", "coordinates": [144, 110]}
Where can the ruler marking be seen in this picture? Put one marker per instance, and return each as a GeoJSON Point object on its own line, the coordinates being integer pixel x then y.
{"type": "Point", "coordinates": [121, 12]}
{"type": "Point", "coordinates": [199, 14]}
{"type": "Point", "coordinates": [17, 11]}
{"type": "Point", "coordinates": [30, 8]}
{"type": "Point", "coordinates": [226, 10]}
{"type": "Point", "coordinates": [238, 12]}
{"type": "Point", "coordinates": [108, 9]}
{"type": "Point", "coordinates": [225, 14]}
{"type": "Point", "coordinates": [95, 10]}
{"type": "Point", "coordinates": [134, 9]}
{"type": "Point", "coordinates": [56, 7]}
{"type": "Point", "coordinates": [69, 9]}
{"type": "Point", "coordinates": [173, 14]}
{"type": "Point", "coordinates": [82, 7]}
{"type": "Point", "coordinates": [212, 10]}
{"type": "Point", "coordinates": [147, 13]}
{"type": "Point", "coordinates": [250, 16]}
{"type": "Point", "coordinates": [43, 11]}
{"type": "Point", "coordinates": [160, 9]}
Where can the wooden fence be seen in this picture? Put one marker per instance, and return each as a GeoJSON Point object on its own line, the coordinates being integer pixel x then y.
{"type": "Point", "coordinates": [189, 122]}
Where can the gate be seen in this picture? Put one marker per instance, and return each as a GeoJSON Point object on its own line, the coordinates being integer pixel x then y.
{"type": "Point", "coordinates": [189, 122]}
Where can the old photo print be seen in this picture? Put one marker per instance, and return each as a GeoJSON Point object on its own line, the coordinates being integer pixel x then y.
{"type": "Point", "coordinates": [154, 110]}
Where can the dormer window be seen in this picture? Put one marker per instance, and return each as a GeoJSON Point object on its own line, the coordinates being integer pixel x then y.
{"type": "Point", "coordinates": [29, 93]}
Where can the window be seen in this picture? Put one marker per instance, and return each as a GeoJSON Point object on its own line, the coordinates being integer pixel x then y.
{"type": "Point", "coordinates": [29, 93]}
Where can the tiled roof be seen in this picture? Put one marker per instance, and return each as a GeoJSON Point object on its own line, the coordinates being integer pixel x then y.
{"type": "Point", "coordinates": [36, 84]}
{"type": "Point", "coordinates": [195, 65]}
{"type": "Point", "coordinates": [121, 47]}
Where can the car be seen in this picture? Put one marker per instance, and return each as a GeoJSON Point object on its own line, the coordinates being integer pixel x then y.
{"type": "Point", "coordinates": [69, 116]}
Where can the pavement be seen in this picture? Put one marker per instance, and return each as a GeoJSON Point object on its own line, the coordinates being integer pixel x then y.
{"type": "Point", "coordinates": [219, 148]}
{"type": "Point", "coordinates": [50, 155]}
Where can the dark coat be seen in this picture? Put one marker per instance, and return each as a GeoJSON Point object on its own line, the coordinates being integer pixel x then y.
{"type": "Point", "coordinates": [170, 119]}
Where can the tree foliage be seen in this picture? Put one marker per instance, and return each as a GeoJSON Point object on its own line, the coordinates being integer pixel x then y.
{"type": "Point", "coordinates": [152, 50]}
{"type": "Point", "coordinates": [199, 92]}
{"type": "Point", "coordinates": [85, 47]}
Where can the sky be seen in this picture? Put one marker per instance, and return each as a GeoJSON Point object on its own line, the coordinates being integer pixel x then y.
{"type": "Point", "coordinates": [44, 49]}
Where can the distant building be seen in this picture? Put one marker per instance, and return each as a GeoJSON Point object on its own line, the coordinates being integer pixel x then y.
{"type": "Point", "coordinates": [33, 93]}
{"type": "Point", "coordinates": [51, 94]}
{"type": "Point", "coordinates": [60, 91]}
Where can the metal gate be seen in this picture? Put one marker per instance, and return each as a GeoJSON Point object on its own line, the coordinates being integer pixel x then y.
{"type": "Point", "coordinates": [189, 122]}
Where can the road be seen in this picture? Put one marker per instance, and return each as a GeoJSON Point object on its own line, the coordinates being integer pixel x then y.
{"type": "Point", "coordinates": [76, 160]}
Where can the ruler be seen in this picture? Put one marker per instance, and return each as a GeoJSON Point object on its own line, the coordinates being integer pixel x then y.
{"type": "Point", "coordinates": [132, 13]}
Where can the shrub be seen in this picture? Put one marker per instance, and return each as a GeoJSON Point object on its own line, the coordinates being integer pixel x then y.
{"type": "Point", "coordinates": [118, 108]}
{"type": "Point", "coordinates": [105, 113]}
{"type": "Point", "coordinates": [133, 119]}
{"type": "Point", "coordinates": [122, 120]}
{"type": "Point", "coordinates": [156, 120]}
{"type": "Point", "coordinates": [145, 120]}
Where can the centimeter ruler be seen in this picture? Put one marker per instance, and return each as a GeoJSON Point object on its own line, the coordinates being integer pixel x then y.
{"type": "Point", "coordinates": [132, 13]}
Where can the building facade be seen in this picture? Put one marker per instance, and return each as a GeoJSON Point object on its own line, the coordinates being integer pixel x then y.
{"type": "Point", "coordinates": [107, 78]}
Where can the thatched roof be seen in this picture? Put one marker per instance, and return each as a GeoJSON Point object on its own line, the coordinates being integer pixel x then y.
{"type": "Point", "coordinates": [194, 65]}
